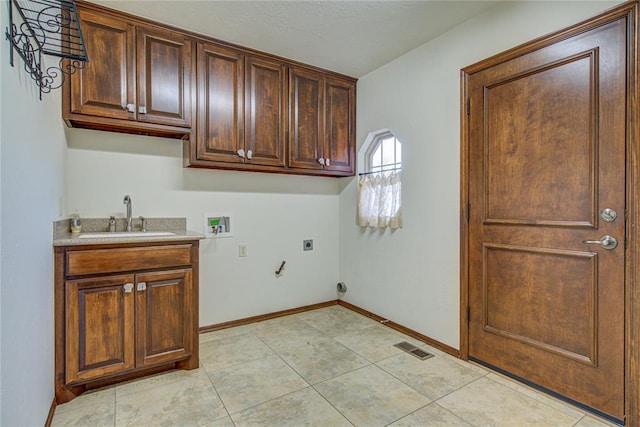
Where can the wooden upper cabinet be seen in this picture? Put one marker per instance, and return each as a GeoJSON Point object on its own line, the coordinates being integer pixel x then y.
{"type": "Point", "coordinates": [234, 107]}
{"type": "Point", "coordinates": [241, 108]}
{"type": "Point", "coordinates": [106, 84]}
{"type": "Point", "coordinates": [220, 133]}
{"type": "Point", "coordinates": [322, 122]}
{"type": "Point", "coordinates": [139, 78]}
{"type": "Point", "coordinates": [306, 121]}
{"type": "Point", "coordinates": [339, 138]}
{"type": "Point", "coordinates": [265, 99]}
{"type": "Point", "coordinates": [164, 77]}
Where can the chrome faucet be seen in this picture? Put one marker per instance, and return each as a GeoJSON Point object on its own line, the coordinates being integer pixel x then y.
{"type": "Point", "coordinates": [127, 201]}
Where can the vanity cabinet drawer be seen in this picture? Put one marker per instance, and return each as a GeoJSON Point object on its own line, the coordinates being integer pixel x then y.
{"type": "Point", "coordinates": [100, 261]}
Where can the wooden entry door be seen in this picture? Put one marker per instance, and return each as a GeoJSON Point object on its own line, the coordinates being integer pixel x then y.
{"type": "Point", "coordinates": [546, 156]}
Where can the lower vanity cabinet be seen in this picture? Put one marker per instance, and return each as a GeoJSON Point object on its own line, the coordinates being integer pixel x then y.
{"type": "Point", "coordinates": [114, 325]}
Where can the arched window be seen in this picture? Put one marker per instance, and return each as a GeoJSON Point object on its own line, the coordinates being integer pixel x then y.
{"type": "Point", "coordinates": [384, 153]}
{"type": "Point", "coordinates": [379, 186]}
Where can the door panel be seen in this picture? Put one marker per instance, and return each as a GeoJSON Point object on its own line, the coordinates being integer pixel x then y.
{"type": "Point", "coordinates": [539, 135]}
{"type": "Point", "coordinates": [512, 273]}
{"type": "Point", "coordinates": [546, 155]}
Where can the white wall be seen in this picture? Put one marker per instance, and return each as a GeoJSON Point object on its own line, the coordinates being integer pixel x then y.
{"type": "Point", "coordinates": [273, 214]}
{"type": "Point", "coordinates": [411, 276]}
{"type": "Point", "coordinates": [32, 169]}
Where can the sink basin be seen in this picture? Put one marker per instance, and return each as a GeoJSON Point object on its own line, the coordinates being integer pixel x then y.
{"type": "Point", "coordinates": [125, 234]}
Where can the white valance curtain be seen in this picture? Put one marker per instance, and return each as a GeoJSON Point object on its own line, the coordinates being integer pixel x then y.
{"type": "Point", "coordinates": [379, 203]}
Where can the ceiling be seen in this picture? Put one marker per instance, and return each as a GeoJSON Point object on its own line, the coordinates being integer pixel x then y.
{"type": "Point", "coordinates": [350, 37]}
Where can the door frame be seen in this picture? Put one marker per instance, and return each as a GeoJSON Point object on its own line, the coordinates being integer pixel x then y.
{"type": "Point", "coordinates": [629, 11]}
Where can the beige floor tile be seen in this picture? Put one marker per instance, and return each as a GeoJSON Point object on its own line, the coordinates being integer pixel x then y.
{"type": "Point", "coordinates": [434, 377]}
{"type": "Point", "coordinates": [190, 402]}
{"type": "Point", "coordinates": [231, 351]}
{"type": "Point", "coordinates": [103, 397]}
{"type": "Point", "coordinates": [543, 398]}
{"type": "Point", "coordinates": [284, 321]}
{"type": "Point", "coordinates": [100, 415]}
{"type": "Point", "coordinates": [322, 360]}
{"type": "Point", "coordinates": [432, 415]}
{"type": "Point", "coordinates": [222, 422]}
{"type": "Point", "coordinates": [371, 397]}
{"type": "Point", "coordinates": [486, 402]}
{"type": "Point", "coordinates": [289, 337]}
{"type": "Point", "coordinates": [373, 343]}
{"type": "Point", "coordinates": [228, 332]}
{"type": "Point", "coordinates": [334, 321]}
{"type": "Point", "coordinates": [588, 421]}
{"type": "Point", "coordinates": [164, 378]}
{"type": "Point", "coordinates": [254, 367]}
{"type": "Point", "coordinates": [249, 384]}
{"type": "Point", "coordinates": [302, 408]}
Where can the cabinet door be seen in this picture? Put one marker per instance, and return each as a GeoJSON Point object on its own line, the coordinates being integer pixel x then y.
{"type": "Point", "coordinates": [220, 104]}
{"type": "Point", "coordinates": [106, 85]}
{"type": "Point", "coordinates": [306, 128]}
{"type": "Point", "coordinates": [100, 335]}
{"type": "Point", "coordinates": [163, 316]}
{"type": "Point", "coordinates": [265, 112]}
{"type": "Point", "coordinates": [164, 77]}
{"type": "Point", "coordinates": [339, 149]}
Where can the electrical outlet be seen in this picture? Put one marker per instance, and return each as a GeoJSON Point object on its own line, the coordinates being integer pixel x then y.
{"type": "Point", "coordinates": [307, 245]}
{"type": "Point", "coordinates": [243, 251]}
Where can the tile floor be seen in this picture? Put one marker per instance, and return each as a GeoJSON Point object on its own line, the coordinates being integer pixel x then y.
{"type": "Point", "coordinates": [326, 367]}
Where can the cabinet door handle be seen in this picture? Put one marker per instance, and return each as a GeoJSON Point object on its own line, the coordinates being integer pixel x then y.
{"type": "Point", "coordinates": [321, 161]}
{"type": "Point", "coordinates": [131, 108]}
{"type": "Point", "coordinates": [327, 162]}
{"type": "Point", "coordinates": [142, 286]}
{"type": "Point", "coordinates": [249, 154]}
{"type": "Point", "coordinates": [241, 152]}
{"type": "Point", "coordinates": [142, 109]}
{"type": "Point", "coordinates": [128, 287]}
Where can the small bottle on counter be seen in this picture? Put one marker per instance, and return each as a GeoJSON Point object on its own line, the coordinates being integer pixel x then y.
{"type": "Point", "coordinates": [75, 225]}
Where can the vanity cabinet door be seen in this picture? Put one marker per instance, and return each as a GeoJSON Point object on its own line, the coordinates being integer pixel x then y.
{"type": "Point", "coordinates": [100, 329]}
{"type": "Point", "coordinates": [163, 316]}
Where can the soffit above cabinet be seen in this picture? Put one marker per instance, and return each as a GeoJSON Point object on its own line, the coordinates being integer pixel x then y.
{"type": "Point", "coordinates": [349, 37]}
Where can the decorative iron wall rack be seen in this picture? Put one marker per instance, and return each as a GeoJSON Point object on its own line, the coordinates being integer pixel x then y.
{"type": "Point", "coordinates": [46, 27]}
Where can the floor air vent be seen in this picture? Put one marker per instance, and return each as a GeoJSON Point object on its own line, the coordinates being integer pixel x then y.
{"type": "Point", "coordinates": [413, 350]}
